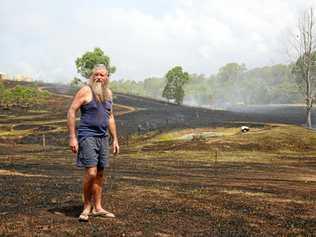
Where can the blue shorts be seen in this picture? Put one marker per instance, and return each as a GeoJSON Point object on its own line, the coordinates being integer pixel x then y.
{"type": "Point", "coordinates": [93, 152]}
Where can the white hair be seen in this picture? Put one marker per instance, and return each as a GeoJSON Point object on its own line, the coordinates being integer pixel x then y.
{"type": "Point", "coordinates": [97, 67]}
{"type": "Point", "coordinates": [100, 90]}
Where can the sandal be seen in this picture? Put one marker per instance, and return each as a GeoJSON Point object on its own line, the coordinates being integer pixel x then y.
{"type": "Point", "coordinates": [84, 217]}
{"type": "Point", "coordinates": [103, 214]}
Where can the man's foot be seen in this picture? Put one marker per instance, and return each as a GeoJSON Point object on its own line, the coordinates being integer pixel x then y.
{"type": "Point", "coordinates": [102, 213]}
{"type": "Point", "coordinates": [84, 216]}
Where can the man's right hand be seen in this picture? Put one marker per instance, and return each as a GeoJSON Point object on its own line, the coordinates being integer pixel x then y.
{"type": "Point", "coordinates": [73, 143]}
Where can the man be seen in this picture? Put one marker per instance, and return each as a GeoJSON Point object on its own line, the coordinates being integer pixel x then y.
{"type": "Point", "coordinates": [91, 142]}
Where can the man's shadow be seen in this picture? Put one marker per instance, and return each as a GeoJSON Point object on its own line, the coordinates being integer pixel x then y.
{"type": "Point", "coordinates": [71, 211]}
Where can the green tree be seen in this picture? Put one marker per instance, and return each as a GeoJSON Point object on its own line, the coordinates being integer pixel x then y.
{"type": "Point", "coordinates": [199, 90]}
{"type": "Point", "coordinates": [86, 62]}
{"type": "Point", "coordinates": [176, 78]}
{"type": "Point", "coordinates": [153, 87]}
{"type": "Point", "coordinates": [168, 92]}
{"type": "Point", "coordinates": [75, 84]}
{"type": "Point", "coordinates": [229, 78]}
{"type": "Point", "coordinates": [269, 84]}
{"type": "Point", "coordinates": [128, 87]}
{"type": "Point", "coordinates": [231, 71]}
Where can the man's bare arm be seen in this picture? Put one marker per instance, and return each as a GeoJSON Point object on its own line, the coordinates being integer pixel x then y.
{"type": "Point", "coordinates": [78, 100]}
{"type": "Point", "coordinates": [112, 130]}
{"type": "Point", "coordinates": [112, 127]}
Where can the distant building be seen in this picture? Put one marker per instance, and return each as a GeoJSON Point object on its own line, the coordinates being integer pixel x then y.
{"type": "Point", "coordinates": [18, 77]}
{"type": "Point", "coordinates": [22, 78]}
{"type": "Point", "coordinates": [3, 76]}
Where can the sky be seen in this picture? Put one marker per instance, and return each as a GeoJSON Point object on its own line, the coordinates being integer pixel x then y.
{"type": "Point", "coordinates": [43, 38]}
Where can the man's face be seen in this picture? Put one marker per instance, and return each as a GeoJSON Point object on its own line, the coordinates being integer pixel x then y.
{"type": "Point", "coordinates": [100, 75]}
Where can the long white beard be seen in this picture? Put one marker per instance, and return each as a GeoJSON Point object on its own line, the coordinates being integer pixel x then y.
{"type": "Point", "coordinates": [100, 90]}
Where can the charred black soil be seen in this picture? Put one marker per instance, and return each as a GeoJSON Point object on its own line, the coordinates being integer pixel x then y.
{"type": "Point", "coordinates": [182, 171]}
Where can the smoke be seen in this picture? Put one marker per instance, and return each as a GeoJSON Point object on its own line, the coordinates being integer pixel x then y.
{"type": "Point", "coordinates": [267, 85]}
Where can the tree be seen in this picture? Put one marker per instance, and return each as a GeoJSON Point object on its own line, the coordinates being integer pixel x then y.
{"type": "Point", "coordinates": [269, 84]}
{"type": "Point", "coordinates": [199, 90]}
{"type": "Point", "coordinates": [169, 91]}
{"type": "Point", "coordinates": [229, 79]}
{"type": "Point", "coordinates": [153, 87]}
{"type": "Point", "coordinates": [231, 71]}
{"type": "Point", "coordinates": [86, 63]}
{"type": "Point", "coordinates": [176, 78]}
{"type": "Point", "coordinates": [75, 85]}
{"type": "Point", "coordinates": [305, 66]}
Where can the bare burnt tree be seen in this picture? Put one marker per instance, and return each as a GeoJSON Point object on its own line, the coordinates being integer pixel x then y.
{"type": "Point", "coordinates": [304, 46]}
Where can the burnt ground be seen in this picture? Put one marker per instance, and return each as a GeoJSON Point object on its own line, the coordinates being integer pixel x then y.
{"type": "Point", "coordinates": [231, 184]}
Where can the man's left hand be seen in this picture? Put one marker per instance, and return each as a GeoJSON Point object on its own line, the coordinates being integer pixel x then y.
{"type": "Point", "coordinates": [116, 147]}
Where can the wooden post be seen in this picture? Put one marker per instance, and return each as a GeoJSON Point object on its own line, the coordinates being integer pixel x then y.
{"type": "Point", "coordinates": [215, 162]}
{"type": "Point", "coordinates": [44, 142]}
{"type": "Point", "coordinates": [11, 164]}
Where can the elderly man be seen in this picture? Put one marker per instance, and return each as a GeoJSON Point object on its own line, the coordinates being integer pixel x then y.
{"type": "Point", "coordinates": [91, 142]}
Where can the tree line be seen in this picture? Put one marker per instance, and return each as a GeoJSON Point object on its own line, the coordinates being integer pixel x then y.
{"type": "Point", "coordinates": [232, 84]}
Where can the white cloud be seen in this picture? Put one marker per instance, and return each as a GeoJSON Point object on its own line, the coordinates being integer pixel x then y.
{"type": "Point", "coordinates": [199, 35]}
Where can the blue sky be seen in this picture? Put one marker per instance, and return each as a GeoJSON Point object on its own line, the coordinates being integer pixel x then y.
{"type": "Point", "coordinates": [42, 38]}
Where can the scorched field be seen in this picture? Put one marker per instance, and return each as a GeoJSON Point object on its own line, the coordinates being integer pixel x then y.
{"type": "Point", "coordinates": [182, 171]}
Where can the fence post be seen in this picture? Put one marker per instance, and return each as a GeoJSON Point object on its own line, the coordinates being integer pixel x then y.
{"type": "Point", "coordinates": [44, 142]}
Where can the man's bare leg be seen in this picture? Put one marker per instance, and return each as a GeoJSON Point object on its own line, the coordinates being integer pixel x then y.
{"type": "Point", "coordinates": [97, 194]}
{"type": "Point", "coordinates": [88, 180]}
{"type": "Point", "coordinates": [97, 189]}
